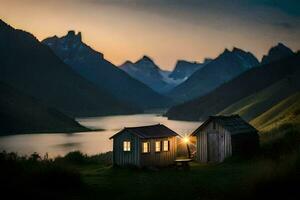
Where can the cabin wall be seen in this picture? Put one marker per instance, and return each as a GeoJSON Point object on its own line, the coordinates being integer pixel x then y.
{"type": "Point", "coordinates": [245, 144]}
{"type": "Point", "coordinates": [223, 148]}
{"type": "Point", "coordinates": [159, 158]}
{"type": "Point", "coordinates": [122, 158]}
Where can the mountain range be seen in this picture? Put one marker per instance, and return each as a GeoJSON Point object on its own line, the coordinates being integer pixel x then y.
{"type": "Point", "coordinates": [225, 67]}
{"type": "Point", "coordinates": [45, 84]}
{"type": "Point", "coordinates": [146, 71]}
{"type": "Point", "coordinates": [184, 69]}
{"type": "Point", "coordinates": [91, 65]}
{"type": "Point", "coordinates": [32, 68]}
{"type": "Point", "coordinates": [268, 83]}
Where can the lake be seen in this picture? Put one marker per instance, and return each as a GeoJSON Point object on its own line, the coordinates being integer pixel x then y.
{"type": "Point", "coordinates": [91, 143]}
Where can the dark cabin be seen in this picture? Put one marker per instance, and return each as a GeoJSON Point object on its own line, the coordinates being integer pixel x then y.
{"type": "Point", "coordinates": [222, 136]}
{"type": "Point", "coordinates": [144, 146]}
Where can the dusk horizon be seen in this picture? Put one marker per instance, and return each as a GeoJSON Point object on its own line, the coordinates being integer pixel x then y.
{"type": "Point", "coordinates": [150, 99]}
{"type": "Point", "coordinates": [165, 30]}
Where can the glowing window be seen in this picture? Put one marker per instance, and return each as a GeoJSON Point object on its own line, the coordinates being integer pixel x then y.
{"type": "Point", "coordinates": [146, 147]}
{"type": "Point", "coordinates": [166, 145]}
{"type": "Point", "coordinates": [157, 146]}
{"type": "Point", "coordinates": [126, 146]}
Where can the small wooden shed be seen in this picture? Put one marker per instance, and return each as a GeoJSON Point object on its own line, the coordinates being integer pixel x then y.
{"type": "Point", "coordinates": [144, 146]}
{"type": "Point", "coordinates": [222, 136]}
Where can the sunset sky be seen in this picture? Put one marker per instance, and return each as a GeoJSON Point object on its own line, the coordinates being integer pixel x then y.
{"type": "Point", "coordinates": [166, 30]}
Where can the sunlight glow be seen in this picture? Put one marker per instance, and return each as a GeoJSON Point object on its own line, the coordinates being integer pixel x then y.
{"type": "Point", "coordinates": [186, 140]}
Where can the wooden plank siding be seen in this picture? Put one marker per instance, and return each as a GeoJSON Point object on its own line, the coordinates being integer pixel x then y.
{"type": "Point", "coordinates": [123, 158]}
{"type": "Point", "coordinates": [162, 158]}
{"type": "Point", "coordinates": [135, 157]}
{"type": "Point", "coordinates": [224, 143]}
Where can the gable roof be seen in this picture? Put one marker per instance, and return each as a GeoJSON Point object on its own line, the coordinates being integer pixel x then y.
{"type": "Point", "coordinates": [234, 124]}
{"type": "Point", "coordinates": [146, 132]}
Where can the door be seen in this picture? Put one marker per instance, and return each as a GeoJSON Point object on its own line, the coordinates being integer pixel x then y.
{"type": "Point", "coordinates": [213, 147]}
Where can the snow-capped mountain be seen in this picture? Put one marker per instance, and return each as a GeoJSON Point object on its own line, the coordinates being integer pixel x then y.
{"type": "Point", "coordinates": [184, 69]}
{"type": "Point", "coordinates": [146, 71]}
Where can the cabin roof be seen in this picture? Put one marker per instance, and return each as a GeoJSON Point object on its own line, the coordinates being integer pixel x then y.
{"type": "Point", "coordinates": [152, 131]}
{"type": "Point", "coordinates": [234, 124]}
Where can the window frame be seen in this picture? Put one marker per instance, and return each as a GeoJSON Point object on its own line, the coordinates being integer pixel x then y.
{"type": "Point", "coordinates": [126, 148]}
{"type": "Point", "coordinates": [148, 149]}
{"type": "Point", "coordinates": [160, 145]}
{"type": "Point", "coordinates": [168, 142]}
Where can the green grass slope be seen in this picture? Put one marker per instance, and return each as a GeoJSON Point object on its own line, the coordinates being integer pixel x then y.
{"type": "Point", "coordinates": [248, 83]}
{"type": "Point", "coordinates": [286, 111]}
{"type": "Point", "coordinates": [23, 114]}
{"type": "Point", "coordinates": [259, 102]}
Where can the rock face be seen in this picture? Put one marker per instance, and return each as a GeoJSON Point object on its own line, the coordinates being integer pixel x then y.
{"type": "Point", "coordinates": [91, 65]}
{"type": "Point", "coordinates": [35, 70]}
{"type": "Point", "coordinates": [276, 53]}
{"type": "Point", "coordinates": [184, 69]}
{"type": "Point", "coordinates": [146, 71]}
{"type": "Point", "coordinates": [225, 67]}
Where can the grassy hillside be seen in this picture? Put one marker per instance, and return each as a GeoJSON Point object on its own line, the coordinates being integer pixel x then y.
{"type": "Point", "coordinates": [20, 113]}
{"type": "Point", "coordinates": [259, 102]}
{"type": "Point", "coordinates": [286, 111]}
{"type": "Point", "coordinates": [248, 83]}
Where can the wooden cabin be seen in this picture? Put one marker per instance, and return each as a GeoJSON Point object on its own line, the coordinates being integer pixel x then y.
{"type": "Point", "coordinates": [220, 137]}
{"type": "Point", "coordinates": [144, 146]}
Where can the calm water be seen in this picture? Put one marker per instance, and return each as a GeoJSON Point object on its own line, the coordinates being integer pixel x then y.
{"type": "Point", "coordinates": [88, 142]}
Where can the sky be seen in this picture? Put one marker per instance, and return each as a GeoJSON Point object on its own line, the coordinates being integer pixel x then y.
{"type": "Point", "coordinates": [165, 30]}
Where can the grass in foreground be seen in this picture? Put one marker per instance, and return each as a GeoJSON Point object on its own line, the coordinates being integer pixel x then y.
{"type": "Point", "coordinates": [271, 174]}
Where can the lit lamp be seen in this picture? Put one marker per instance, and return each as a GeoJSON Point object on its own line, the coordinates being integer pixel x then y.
{"type": "Point", "coordinates": [186, 140]}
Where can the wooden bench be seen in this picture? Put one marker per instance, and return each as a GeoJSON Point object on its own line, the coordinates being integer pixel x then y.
{"type": "Point", "coordinates": [182, 163]}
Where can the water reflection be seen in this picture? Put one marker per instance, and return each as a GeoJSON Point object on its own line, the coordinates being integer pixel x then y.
{"type": "Point", "coordinates": [88, 142]}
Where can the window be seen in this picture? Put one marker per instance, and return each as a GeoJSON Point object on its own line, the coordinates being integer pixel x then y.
{"type": "Point", "coordinates": [166, 145]}
{"type": "Point", "coordinates": [146, 147]}
{"type": "Point", "coordinates": [126, 146]}
{"type": "Point", "coordinates": [157, 146]}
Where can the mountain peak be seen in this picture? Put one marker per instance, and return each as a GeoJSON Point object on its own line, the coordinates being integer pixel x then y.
{"type": "Point", "coordinates": [282, 47]}
{"type": "Point", "coordinates": [72, 35]}
{"type": "Point", "coordinates": [277, 52]}
{"type": "Point", "coordinates": [146, 58]}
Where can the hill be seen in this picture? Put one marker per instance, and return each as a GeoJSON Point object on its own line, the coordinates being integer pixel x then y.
{"type": "Point", "coordinates": [34, 69]}
{"type": "Point", "coordinates": [286, 111]}
{"type": "Point", "coordinates": [20, 113]}
{"type": "Point", "coordinates": [92, 65]}
{"type": "Point", "coordinates": [259, 102]}
{"type": "Point", "coordinates": [231, 92]}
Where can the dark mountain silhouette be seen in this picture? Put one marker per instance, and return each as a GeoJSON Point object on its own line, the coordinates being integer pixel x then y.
{"type": "Point", "coordinates": [259, 102]}
{"type": "Point", "coordinates": [276, 53]}
{"type": "Point", "coordinates": [220, 70]}
{"type": "Point", "coordinates": [92, 66]}
{"type": "Point", "coordinates": [34, 69]}
{"type": "Point", "coordinates": [20, 113]}
{"type": "Point", "coordinates": [242, 86]}
{"type": "Point", "coordinates": [146, 71]}
{"type": "Point", "coordinates": [184, 69]}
